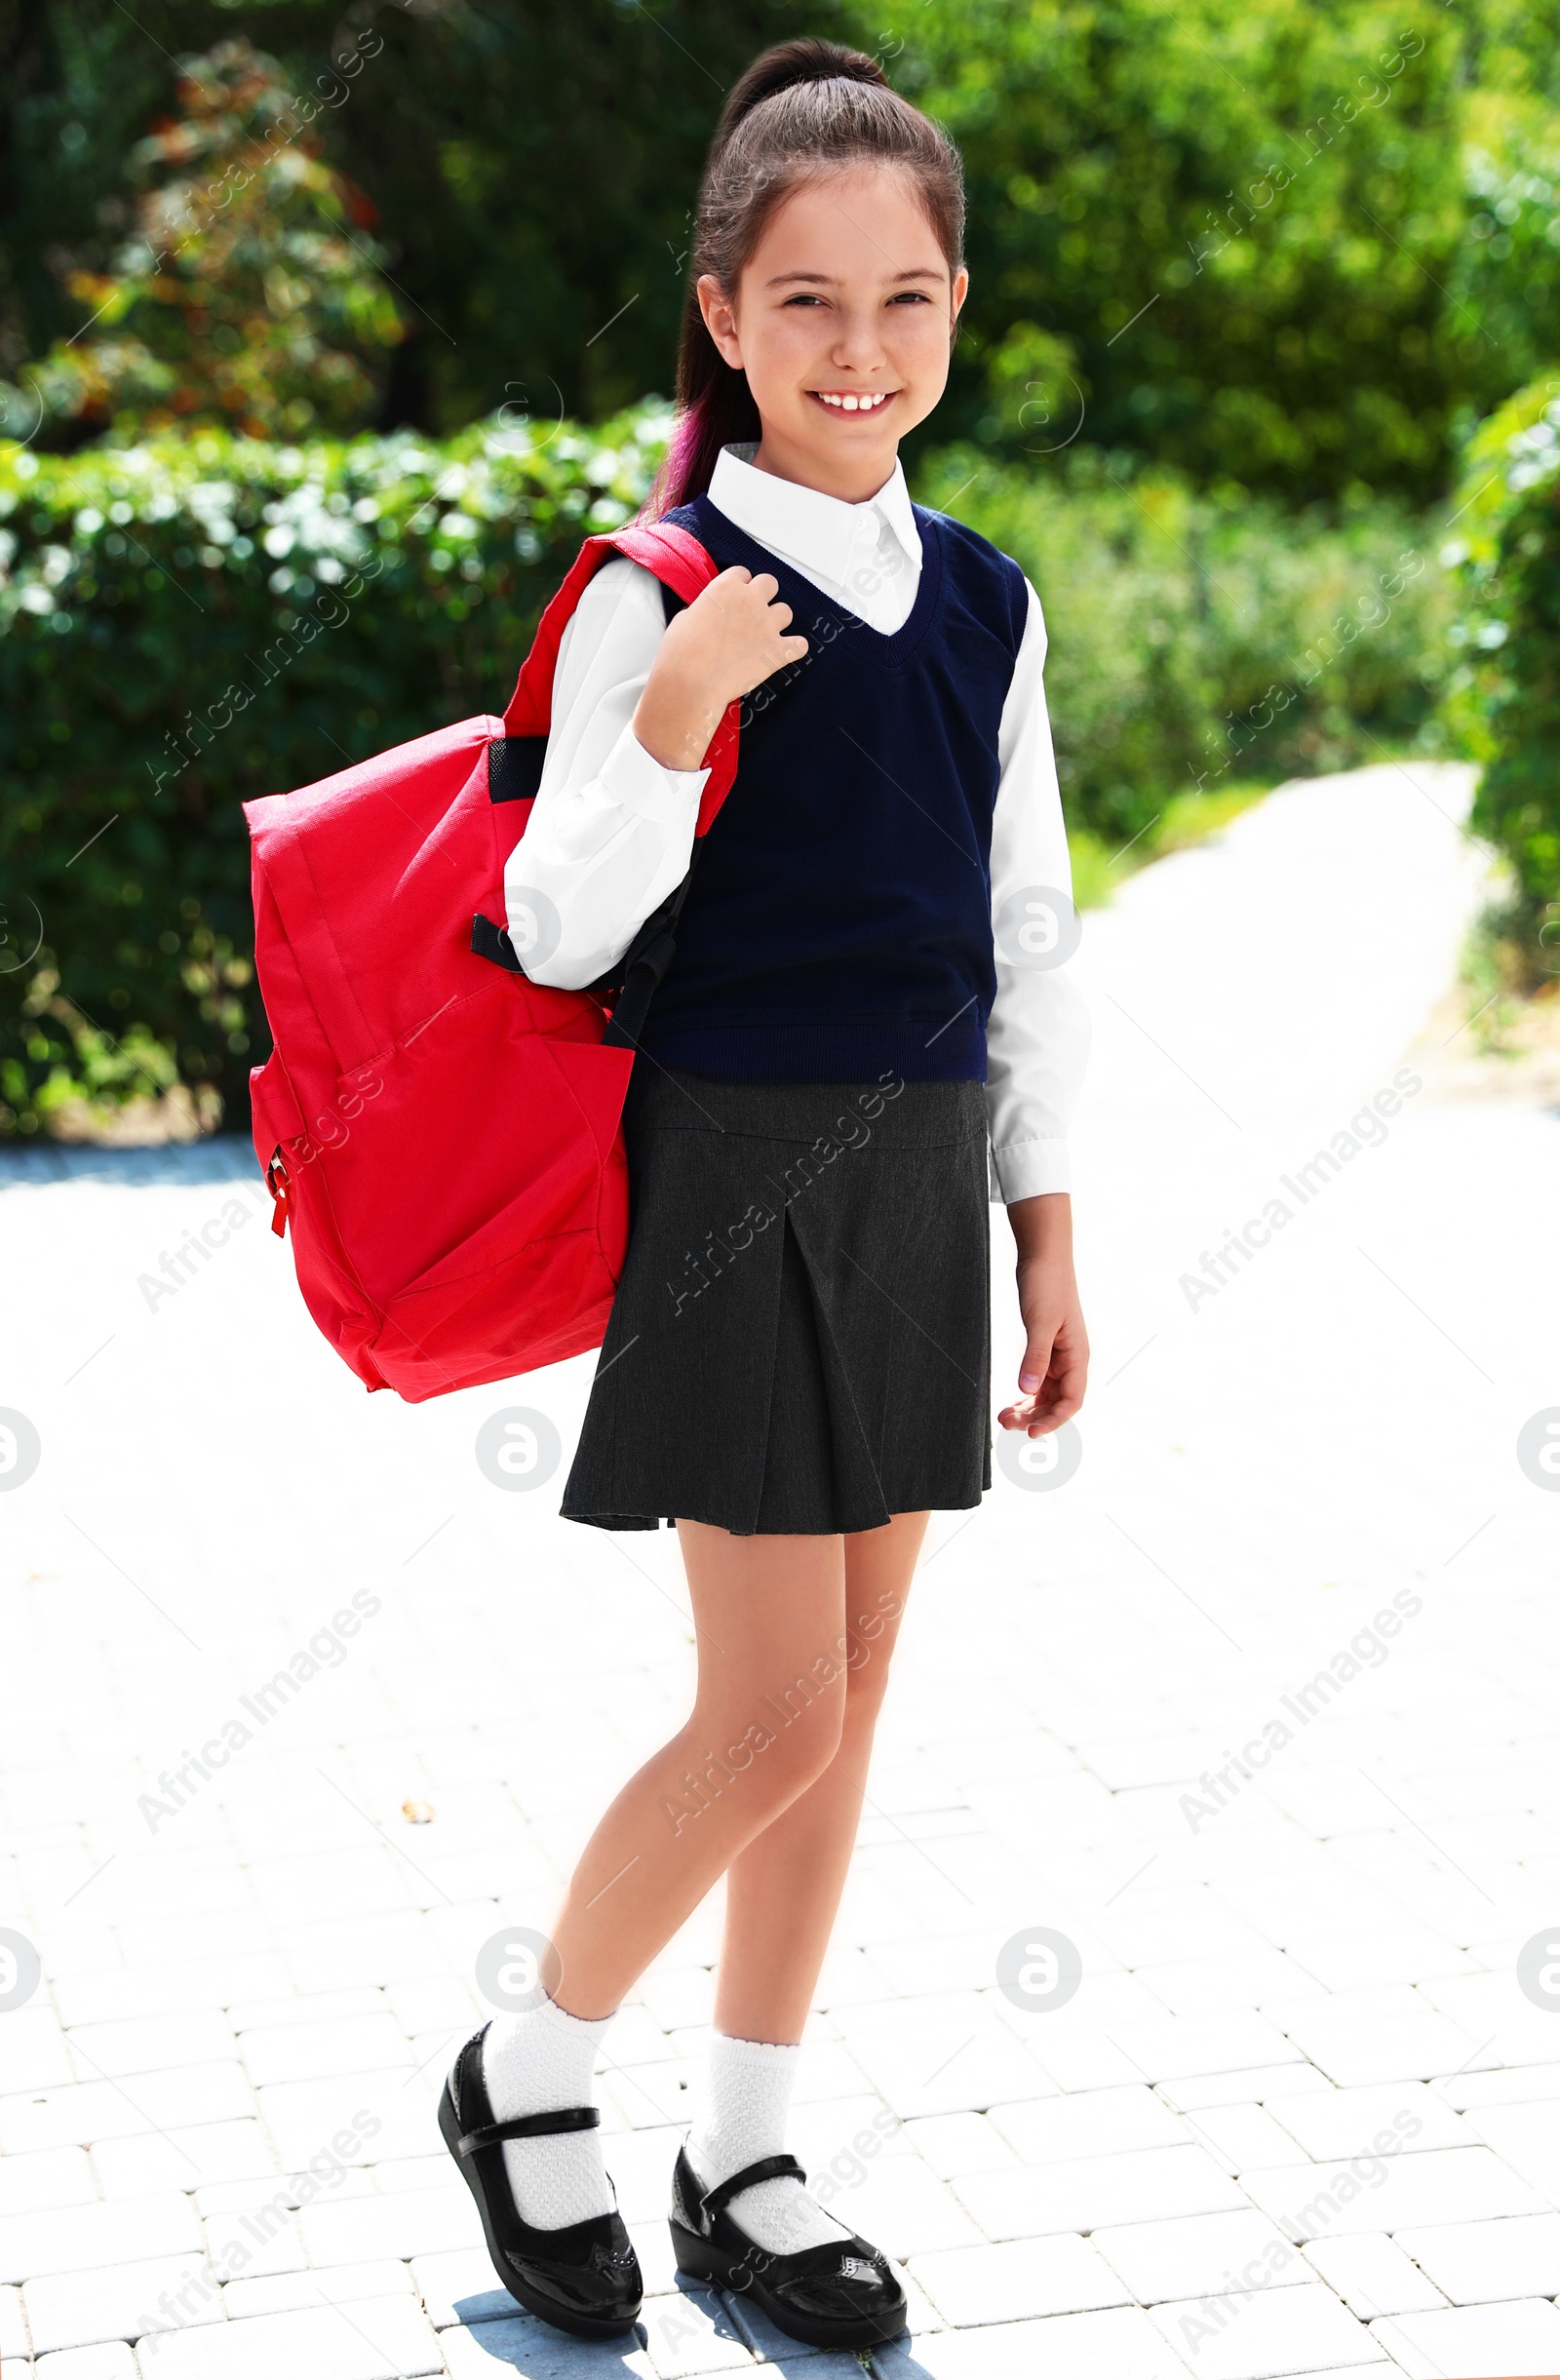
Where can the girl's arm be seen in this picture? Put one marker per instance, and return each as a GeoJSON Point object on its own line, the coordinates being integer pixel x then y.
{"type": "Point", "coordinates": [1038, 1041]}
{"type": "Point", "coordinates": [611, 831]}
{"type": "Point", "coordinates": [633, 707]}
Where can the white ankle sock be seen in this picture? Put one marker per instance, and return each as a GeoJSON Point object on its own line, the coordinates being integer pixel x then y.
{"type": "Point", "coordinates": [533, 2063]}
{"type": "Point", "coordinates": [743, 2118]}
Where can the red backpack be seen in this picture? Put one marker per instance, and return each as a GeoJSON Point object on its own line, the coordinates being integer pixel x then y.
{"type": "Point", "coordinates": [443, 1134]}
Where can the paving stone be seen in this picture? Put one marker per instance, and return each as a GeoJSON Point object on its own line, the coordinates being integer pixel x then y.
{"type": "Point", "coordinates": [1373, 2275]}
{"type": "Point", "coordinates": [1498, 2086]}
{"type": "Point", "coordinates": [378, 2338]}
{"type": "Point", "coordinates": [402, 2224]}
{"type": "Point", "coordinates": [1262, 2333]}
{"type": "Point", "coordinates": [1518, 2256]}
{"type": "Point", "coordinates": [1260, 2084]}
{"type": "Point", "coordinates": [119, 2301]}
{"type": "Point", "coordinates": [48, 2177]}
{"type": "Point", "coordinates": [327, 2048]}
{"type": "Point", "coordinates": [1509, 2339]}
{"type": "Point", "coordinates": [1089, 2192]}
{"type": "Point", "coordinates": [13, 2327]}
{"type": "Point", "coordinates": [902, 2207]}
{"type": "Point", "coordinates": [1093, 2122]}
{"type": "Point", "coordinates": [1351, 2123]}
{"type": "Point", "coordinates": [964, 2143]}
{"type": "Point", "coordinates": [1021, 2279]}
{"type": "Point", "coordinates": [113, 2360]}
{"type": "Point", "coordinates": [1240, 2137]}
{"type": "Point", "coordinates": [1197, 2045]}
{"type": "Point", "coordinates": [336, 2285]}
{"type": "Point", "coordinates": [141, 2044]}
{"type": "Point", "coordinates": [1389, 2193]}
{"type": "Point", "coordinates": [37, 2051]}
{"type": "Point", "coordinates": [89, 2112]}
{"type": "Point", "coordinates": [692, 2331]}
{"type": "Point", "coordinates": [539, 2353]}
{"type": "Point", "coordinates": [1528, 2139]}
{"type": "Point", "coordinates": [457, 2285]}
{"type": "Point", "coordinates": [77, 2238]}
{"type": "Point", "coordinates": [1204, 2254]}
{"type": "Point", "coordinates": [1120, 2344]}
{"type": "Point", "coordinates": [1410, 2046]}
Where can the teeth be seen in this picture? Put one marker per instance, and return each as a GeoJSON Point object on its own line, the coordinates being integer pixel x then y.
{"type": "Point", "coordinates": [852, 404]}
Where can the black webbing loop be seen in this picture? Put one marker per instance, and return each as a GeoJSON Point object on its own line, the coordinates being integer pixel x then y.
{"type": "Point", "coordinates": [490, 941]}
{"type": "Point", "coordinates": [644, 965]}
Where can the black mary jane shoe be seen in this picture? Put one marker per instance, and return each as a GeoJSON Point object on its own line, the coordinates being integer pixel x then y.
{"type": "Point", "coordinates": [843, 2295]}
{"type": "Point", "coordinates": [584, 2277]}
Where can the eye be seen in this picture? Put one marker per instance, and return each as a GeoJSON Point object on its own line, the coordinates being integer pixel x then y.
{"type": "Point", "coordinates": [804, 297]}
{"type": "Point", "coordinates": [911, 298]}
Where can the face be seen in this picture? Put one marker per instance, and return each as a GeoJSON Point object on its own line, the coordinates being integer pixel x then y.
{"type": "Point", "coordinates": [843, 321]}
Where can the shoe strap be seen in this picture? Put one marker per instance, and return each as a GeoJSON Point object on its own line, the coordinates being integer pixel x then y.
{"type": "Point", "coordinates": [528, 2127]}
{"type": "Point", "coordinates": [766, 2168]}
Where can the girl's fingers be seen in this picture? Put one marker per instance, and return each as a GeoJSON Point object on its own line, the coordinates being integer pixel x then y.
{"type": "Point", "coordinates": [1067, 1395]}
{"type": "Point", "coordinates": [1054, 1416]}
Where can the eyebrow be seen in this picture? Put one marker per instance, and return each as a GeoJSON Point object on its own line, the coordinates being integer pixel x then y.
{"type": "Point", "coordinates": [916, 272]}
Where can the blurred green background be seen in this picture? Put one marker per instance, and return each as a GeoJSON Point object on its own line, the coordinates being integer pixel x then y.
{"type": "Point", "coordinates": [325, 332]}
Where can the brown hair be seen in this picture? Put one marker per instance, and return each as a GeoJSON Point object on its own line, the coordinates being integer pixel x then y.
{"type": "Point", "coordinates": [804, 108]}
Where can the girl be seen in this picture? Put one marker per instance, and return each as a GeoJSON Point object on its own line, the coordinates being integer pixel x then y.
{"type": "Point", "coordinates": [797, 1369]}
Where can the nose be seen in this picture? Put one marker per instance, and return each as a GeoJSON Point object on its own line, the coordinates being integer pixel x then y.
{"type": "Point", "coordinates": [858, 346]}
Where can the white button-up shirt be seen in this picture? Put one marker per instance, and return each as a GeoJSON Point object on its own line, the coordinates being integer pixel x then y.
{"type": "Point", "coordinates": [611, 830]}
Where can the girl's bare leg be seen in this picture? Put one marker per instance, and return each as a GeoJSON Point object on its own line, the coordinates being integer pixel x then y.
{"type": "Point", "coordinates": [783, 1889]}
{"type": "Point", "coordinates": [768, 1721]}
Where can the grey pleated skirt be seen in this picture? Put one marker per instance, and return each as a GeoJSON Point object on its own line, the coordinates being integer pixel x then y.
{"type": "Point", "coordinates": [800, 1339]}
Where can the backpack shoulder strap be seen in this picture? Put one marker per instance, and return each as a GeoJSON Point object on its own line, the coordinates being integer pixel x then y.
{"type": "Point", "coordinates": [680, 562]}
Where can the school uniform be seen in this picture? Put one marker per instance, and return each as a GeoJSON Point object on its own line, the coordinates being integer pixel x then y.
{"type": "Point", "coordinates": [838, 1072]}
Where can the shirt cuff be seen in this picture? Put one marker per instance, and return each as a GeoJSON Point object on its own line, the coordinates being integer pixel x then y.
{"type": "Point", "coordinates": [631, 777]}
{"type": "Point", "coordinates": [1029, 1169]}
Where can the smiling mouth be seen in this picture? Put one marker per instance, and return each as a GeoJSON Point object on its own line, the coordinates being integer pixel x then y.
{"type": "Point", "coordinates": [854, 400]}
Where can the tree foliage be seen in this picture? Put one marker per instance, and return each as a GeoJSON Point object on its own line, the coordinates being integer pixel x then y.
{"type": "Point", "coordinates": [1507, 690]}
{"type": "Point", "coordinates": [1262, 239]}
{"type": "Point", "coordinates": [249, 295]}
{"type": "Point", "coordinates": [1224, 234]}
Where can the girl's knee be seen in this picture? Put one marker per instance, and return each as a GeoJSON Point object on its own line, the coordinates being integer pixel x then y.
{"type": "Point", "coordinates": [774, 1751]}
{"type": "Point", "coordinates": [807, 1736]}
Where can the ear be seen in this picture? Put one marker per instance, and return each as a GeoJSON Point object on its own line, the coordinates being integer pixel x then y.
{"type": "Point", "coordinates": [959, 291]}
{"type": "Point", "coordinates": [720, 319]}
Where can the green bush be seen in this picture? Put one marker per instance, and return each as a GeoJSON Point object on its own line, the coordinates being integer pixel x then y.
{"type": "Point", "coordinates": [1196, 641]}
{"type": "Point", "coordinates": [187, 624]}
{"type": "Point", "coordinates": [1504, 694]}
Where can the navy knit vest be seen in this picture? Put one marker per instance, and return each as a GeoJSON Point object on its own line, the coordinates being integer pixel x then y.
{"type": "Point", "coordinates": [838, 923]}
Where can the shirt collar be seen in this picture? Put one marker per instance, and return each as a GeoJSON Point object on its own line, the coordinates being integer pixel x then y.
{"type": "Point", "coordinates": [800, 525]}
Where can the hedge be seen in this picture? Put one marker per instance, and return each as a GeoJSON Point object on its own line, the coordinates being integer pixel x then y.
{"type": "Point", "coordinates": [1197, 640]}
{"type": "Point", "coordinates": [188, 623]}
{"type": "Point", "coordinates": [1504, 686]}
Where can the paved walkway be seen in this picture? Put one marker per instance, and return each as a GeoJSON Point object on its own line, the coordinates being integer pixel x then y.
{"type": "Point", "coordinates": [1299, 2115]}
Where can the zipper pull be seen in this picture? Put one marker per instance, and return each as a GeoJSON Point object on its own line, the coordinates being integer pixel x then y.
{"type": "Point", "coordinates": [278, 1181]}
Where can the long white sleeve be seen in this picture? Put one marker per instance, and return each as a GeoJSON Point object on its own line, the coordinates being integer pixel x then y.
{"type": "Point", "coordinates": [1037, 1035]}
{"type": "Point", "coordinates": [610, 832]}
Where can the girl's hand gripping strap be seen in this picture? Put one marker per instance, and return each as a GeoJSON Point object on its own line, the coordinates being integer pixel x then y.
{"type": "Point", "coordinates": [681, 563]}
{"type": "Point", "coordinates": [677, 560]}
